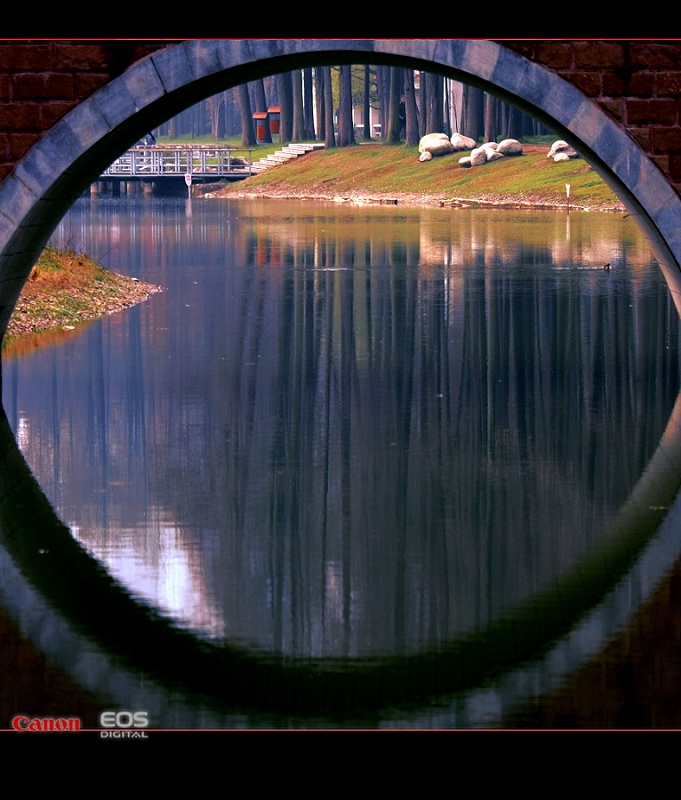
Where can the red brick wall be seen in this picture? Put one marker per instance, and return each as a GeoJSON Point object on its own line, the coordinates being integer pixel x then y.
{"type": "Point", "coordinates": [637, 82]}
{"type": "Point", "coordinates": [40, 81]}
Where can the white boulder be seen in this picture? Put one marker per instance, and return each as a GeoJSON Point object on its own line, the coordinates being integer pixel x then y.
{"type": "Point", "coordinates": [437, 144]}
{"type": "Point", "coordinates": [461, 142]}
{"type": "Point", "coordinates": [478, 156]}
{"type": "Point", "coordinates": [559, 147]}
{"type": "Point", "coordinates": [510, 147]}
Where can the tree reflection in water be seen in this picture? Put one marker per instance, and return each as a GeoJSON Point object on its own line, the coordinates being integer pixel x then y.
{"type": "Point", "coordinates": [353, 434]}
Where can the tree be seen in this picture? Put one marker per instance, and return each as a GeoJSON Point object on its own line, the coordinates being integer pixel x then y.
{"type": "Point", "coordinates": [489, 134]}
{"type": "Point", "coordinates": [247, 132]}
{"type": "Point", "coordinates": [383, 80]}
{"type": "Point", "coordinates": [261, 104]}
{"type": "Point", "coordinates": [411, 110]}
{"type": "Point", "coordinates": [319, 102]}
{"type": "Point", "coordinates": [298, 128]}
{"type": "Point", "coordinates": [213, 113]}
{"type": "Point", "coordinates": [346, 132]}
{"type": "Point", "coordinates": [423, 104]}
{"type": "Point", "coordinates": [366, 104]}
{"type": "Point", "coordinates": [286, 105]}
{"type": "Point", "coordinates": [395, 101]}
{"type": "Point", "coordinates": [329, 137]}
{"type": "Point", "coordinates": [434, 106]}
{"type": "Point", "coordinates": [308, 103]}
{"type": "Point", "coordinates": [472, 125]}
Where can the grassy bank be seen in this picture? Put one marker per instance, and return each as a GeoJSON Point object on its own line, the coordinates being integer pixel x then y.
{"type": "Point", "coordinates": [384, 172]}
{"type": "Point", "coordinates": [66, 288]}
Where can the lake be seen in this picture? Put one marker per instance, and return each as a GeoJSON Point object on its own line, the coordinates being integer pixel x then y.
{"type": "Point", "coordinates": [355, 466]}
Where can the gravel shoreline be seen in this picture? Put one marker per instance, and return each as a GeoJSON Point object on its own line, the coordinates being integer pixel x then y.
{"type": "Point", "coordinates": [408, 200]}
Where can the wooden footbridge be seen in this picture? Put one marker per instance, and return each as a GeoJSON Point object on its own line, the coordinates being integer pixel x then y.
{"type": "Point", "coordinates": [196, 163]}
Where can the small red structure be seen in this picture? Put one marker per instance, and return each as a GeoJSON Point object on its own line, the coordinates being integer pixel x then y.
{"type": "Point", "coordinates": [260, 118]}
{"type": "Point", "coordinates": [275, 119]}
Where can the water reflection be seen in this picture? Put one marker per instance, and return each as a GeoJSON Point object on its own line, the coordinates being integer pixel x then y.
{"type": "Point", "coordinates": [359, 433]}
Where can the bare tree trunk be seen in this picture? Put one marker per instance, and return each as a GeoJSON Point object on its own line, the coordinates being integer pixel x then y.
{"type": "Point", "coordinates": [308, 104]}
{"type": "Point", "coordinates": [473, 113]}
{"type": "Point", "coordinates": [383, 74]}
{"type": "Point", "coordinates": [489, 134]}
{"type": "Point", "coordinates": [395, 123]}
{"type": "Point", "coordinates": [423, 104]}
{"type": "Point", "coordinates": [366, 107]}
{"type": "Point", "coordinates": [411, 110]}
{"type": "Point", "coordinates": [247, 133]}
{"type": "Point", "coordinates": [286, 106]}
{"type": "Point", "coordinates": [447, 109]}
{"type": "Point", "coordinates": [213, 105]}
{"type": "Point", "coordinates": [319, 104]}
{"type": "Point", "coordinates": [434, 106]}
{"type": "Point", "coordinates": [298, 132]}
{"type": "Point", "coordinates": [329, 138]}
{"type": "Point", "coordinates": [346, 133]}
{"type": "Point", "coordinates": [261, 104]}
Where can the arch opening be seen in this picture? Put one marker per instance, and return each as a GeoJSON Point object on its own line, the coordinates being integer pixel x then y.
{"type": "Point", "coordinates": [75, 151]}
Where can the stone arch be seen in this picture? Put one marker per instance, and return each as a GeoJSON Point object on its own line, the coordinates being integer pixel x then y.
{"type": "Point", "coordinates": [73, 153]}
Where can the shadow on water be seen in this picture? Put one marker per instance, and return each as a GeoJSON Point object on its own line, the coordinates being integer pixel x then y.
{"type": "Point", "coordinates": [72, 608]}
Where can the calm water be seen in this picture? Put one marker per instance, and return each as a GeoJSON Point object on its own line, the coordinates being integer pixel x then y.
{"type": "Point", "coordinates": [353, 466]}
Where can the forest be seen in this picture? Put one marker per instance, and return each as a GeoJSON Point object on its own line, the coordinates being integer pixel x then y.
{"type": "Point", "coordinates": [345, 104]}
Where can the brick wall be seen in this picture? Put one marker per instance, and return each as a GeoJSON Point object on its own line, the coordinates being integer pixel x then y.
{"type": "Point", "coordinates": [638, 83]}
{"type": "Point", "coordinates": [40, 81]}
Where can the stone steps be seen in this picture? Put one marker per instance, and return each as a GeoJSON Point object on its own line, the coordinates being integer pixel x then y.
{"type": "Point", "coordinates": [287, 153]}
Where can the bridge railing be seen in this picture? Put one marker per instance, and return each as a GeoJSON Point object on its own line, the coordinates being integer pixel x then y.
{"type": "Point", "coordinates": [206, 160]}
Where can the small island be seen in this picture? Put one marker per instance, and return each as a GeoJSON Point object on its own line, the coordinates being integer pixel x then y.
{"type": "Point", "coordinates": [66, 288]}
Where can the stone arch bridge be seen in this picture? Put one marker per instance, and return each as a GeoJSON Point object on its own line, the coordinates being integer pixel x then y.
{"type": "Point", "coordinates": [69, 108]}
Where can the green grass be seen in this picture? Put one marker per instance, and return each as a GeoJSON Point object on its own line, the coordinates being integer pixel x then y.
{"type": "Point", "coordinates": [382, 169]}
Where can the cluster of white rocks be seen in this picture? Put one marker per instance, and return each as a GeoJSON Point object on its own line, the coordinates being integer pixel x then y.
{"type": "Point", "coordinates": [492, 151]}
{"type": "Point", "coordinates": [433, 145]}
{"type": "Point", "coordinates": [439, 144]}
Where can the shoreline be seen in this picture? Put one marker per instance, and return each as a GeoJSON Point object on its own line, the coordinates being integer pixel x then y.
{"type": "Point", "coordinates": [64, 290]}
{"type": "Point", "coordinates": [411, 200]}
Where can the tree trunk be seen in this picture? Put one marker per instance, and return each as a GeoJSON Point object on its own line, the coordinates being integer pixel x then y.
{"type": "Point", "coordinates": [366, 106]}
{"type": "Point", "coordinates": [261, 104]}
{"type": "Point", "coordinates": [395, 121]}
{"type": "Point", "coordinates": [308, 108]}
{"type": "Point", "coordinates": [286, 106]}
{"type": "Point", "coordinates": [383, 75]}
{"type": "Point", "coordinates": [247, 133]}
{"type": "Point", "coordinates": [346, 133]}
{"type": "Point", "coordinates": [213, 105]}
{"type": "Point", "coordinates": [473, 113]}
{"type": "Point", "coordinates": [298, 132]}
{"type": "Point", "coordinates": [329, 138]}
{"type": "Point", "coordinates": [423, 104]}
{"type": "Point", "coordinates": [411, 110]}
{"type": "Point", "coordinates": [434, 105]}
{"type": "Point", "coordinates": [490, 117]}
{"type": "Point", "coordinates": [319, 104]}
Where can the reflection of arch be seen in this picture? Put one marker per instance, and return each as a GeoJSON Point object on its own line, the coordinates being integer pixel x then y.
{"type": "Point", "coordinates": [91, 602]}
{"type": "Point", "coordinates": [68, 158]}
